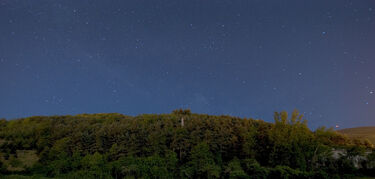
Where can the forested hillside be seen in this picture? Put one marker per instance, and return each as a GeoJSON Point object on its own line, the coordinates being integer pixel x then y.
{"type": "Point", "coordinates": [176, 145]}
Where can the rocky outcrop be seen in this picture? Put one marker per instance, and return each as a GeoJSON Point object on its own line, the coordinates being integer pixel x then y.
{"type": "Point", "coordinates": [358, 160]}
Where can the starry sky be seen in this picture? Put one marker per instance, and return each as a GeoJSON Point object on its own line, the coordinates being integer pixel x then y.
{"type": "Point", "coordinates": [246, 58]}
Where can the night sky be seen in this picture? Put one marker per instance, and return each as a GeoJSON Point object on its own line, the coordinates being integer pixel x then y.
{"type": "Point", "coordinates": [246, 58]}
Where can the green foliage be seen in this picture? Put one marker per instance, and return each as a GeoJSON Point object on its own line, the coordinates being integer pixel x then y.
{"type": "Point", "coordinates": [234, 169]}
{"type": "Point", "coordinates": [293, 142]}
{"type": "Point", "coordinates": [161, 146]}
{"type": "Point", "coordinates": [201, 163]}
{"type": "Point", "coordinates": [254, 169]}
{"type": "Point", "coordinates": [145, 167]}
{"type": "Point", "coordinates": [14, 162]}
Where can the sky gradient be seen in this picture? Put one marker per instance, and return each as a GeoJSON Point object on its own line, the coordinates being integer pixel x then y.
{"type": "Point", "coordinates": [246, 58]}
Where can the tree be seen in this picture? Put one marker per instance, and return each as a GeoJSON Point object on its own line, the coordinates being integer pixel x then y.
{"type": "Point", "coordinates": [234, 169]}
{"type": "Point", "coordinates": [95, 165]}
{"type": "Point", "coordinates": [201, 164]}
{"type": "Point", "coordinates": [292, 141]}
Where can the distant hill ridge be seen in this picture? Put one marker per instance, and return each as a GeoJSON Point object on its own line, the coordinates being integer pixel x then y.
{"type": "Point", "coordinates": [367, 132]}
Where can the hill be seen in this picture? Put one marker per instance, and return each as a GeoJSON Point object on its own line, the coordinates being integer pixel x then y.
{"type": "Point", "coordinates": [176, 145]}
{"type": "Point", "coordinates": [361, 133]}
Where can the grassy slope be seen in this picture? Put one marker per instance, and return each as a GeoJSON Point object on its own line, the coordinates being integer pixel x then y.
{"type": "Point", "coordinates": [360, 132]}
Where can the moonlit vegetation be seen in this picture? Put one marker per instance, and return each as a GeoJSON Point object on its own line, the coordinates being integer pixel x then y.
{"type": "Point", "coordinates": [159, 146]}
{"type": "Point", "coordinates": [70, 69]}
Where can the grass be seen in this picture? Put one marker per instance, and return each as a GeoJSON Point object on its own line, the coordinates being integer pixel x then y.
{"type": "Point", "coordinates": [27, 157]}
{"type": "Point", "coordinates": [361, 133]}
{"type": "Point", "coordinates": [21, 160]}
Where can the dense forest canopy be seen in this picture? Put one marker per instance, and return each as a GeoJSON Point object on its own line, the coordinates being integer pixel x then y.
{"type": "Point", "coordinates": [178, 145]}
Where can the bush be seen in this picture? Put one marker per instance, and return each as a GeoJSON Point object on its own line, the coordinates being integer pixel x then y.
{"type": "Point", "coordinates": [254, 170]}
{"type": "Point", "coordinates": [234, 169]}
{"type": "Point", "coordinates": [287, 172]}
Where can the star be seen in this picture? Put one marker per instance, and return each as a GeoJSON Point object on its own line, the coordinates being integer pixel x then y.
{"type": "Point", "coordinates": [149, 54]}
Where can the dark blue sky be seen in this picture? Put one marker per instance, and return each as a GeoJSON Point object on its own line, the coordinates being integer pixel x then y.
{"type": "Point", "coordinates": [245, 58]}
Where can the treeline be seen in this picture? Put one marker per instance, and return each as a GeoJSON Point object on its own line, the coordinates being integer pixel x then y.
{"type": "Point", "coordinates": [177, 145]}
